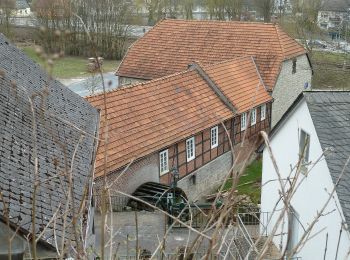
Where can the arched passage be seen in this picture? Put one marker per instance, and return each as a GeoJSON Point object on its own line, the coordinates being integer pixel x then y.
{"type": "Point", "coordinates": [173, 200]}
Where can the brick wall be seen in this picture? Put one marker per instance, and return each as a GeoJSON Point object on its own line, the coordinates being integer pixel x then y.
{"type": "Point", "coordinates": [289, 85]}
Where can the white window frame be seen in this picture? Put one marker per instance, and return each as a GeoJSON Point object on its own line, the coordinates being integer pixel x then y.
{"type": "Point", "coordinates": [214, 137]}
{"type": "Point", "coordinates": [190, 149]}
{"type": "Point", "coordinates": [164, 162]}
{"type": "Point", "coordinates": [243, 121]}
{"type": "Point", "coordinates": [263, 112]}
{"type": "Point", "coordinates": [253, 117]}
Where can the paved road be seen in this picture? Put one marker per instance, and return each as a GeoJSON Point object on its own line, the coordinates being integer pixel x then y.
{"type": "Point", "coordinates": [91, 85]}
{"type": "Point", "coordinates": [31, 21]}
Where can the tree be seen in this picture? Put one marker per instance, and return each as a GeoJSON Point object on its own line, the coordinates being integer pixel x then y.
{"type": "Point", "coordinates": [66, 23]}
{"type": "Point", "coordinates": [306, 21]}
{"type": "Point", "coordinates": [224, 9]}
{"type": "Point", "coordinates": [154, 11]}
{"type": "Point", "coordinates": [234, 9]}
{"type": "Point", "coordinates": [187, 6]}
{"type": "Point", "coordinates": [265, 9]}
{"type": "Point", "coordinates": [6, 8]}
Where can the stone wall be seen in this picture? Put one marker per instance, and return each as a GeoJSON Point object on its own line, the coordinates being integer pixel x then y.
{"type": "Point", "coordinates": [128, 81]}
{"type": "Point", "coordinates": [289, 85]}
{"type": "Point", "coordinates": [140, 172]}
{"type": "Point", "coordinates": [208, 178]}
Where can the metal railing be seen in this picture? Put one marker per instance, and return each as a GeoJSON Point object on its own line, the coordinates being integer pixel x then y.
{"type": "Point", "coordinates": [255, 222]}
{"type": "Point", "coordinates": [171, 256]}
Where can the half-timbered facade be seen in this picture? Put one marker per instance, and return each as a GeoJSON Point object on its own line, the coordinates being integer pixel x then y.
{"type": "Point", "coordinates": [184, 122]}
{"type": "Point", "coordinates": [212, 143]}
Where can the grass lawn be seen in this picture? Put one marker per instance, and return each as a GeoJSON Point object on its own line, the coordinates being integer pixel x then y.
{"type": "Point", "coordinates": [327, 74]}
{"type": "Point", "coordinates": [249, 183]}
{"type": "Point", "coordinates": [69, 66]}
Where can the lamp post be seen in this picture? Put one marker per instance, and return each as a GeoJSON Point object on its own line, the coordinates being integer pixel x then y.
{"type": "Point", "coordinates": [175, 178]}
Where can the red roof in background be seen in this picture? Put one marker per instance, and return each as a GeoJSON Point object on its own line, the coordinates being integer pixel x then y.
{"type": "Point", "coordinates": [173, 44]}
{"type": "Point", "coordinates": [150, 116]}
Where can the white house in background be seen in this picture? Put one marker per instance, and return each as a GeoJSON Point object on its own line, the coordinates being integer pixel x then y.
{"type": "Point", "coordinates": [22, 8]}
{"type": "Point", "coordinates": [317, 121]}
{"type": "Point", "coordinates": [333, 14]}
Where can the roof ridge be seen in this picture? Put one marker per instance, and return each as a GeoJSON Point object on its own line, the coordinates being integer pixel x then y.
{"type": "Point", "coordinates": [279, 40]}
{"type": "Point", "coordinates": [280, 30]}
{"type": "Point", "coordinates": [259, 75]}
{"type": "Point", "coordinates": [138, 84]}
{"type": "Point", "coordinates": [216, 21]}
{"type": "Point", "coordinates": [217, 90]}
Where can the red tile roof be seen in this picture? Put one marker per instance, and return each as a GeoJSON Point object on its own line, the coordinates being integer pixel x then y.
{"type": "Point", "coordinates": [172, 44]}
{"type": "Point", "coordinates": [147, 117]}
{"type": "Point", "coordinates": [239, 80]}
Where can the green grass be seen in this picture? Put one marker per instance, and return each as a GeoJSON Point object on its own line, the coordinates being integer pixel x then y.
{"type": "Point", "coordinates": [249, 183]}
{"type": "Point", "coordinates": [69, 66]}
{"type": "Point", "coordinates": [327, 75]}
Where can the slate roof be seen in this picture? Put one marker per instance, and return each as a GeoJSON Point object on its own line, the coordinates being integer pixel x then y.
{"type": "Point", "coordinates": [173, 44]}
{"type": "Point", "coordinates": [61, 119]}
{"type": "Point", "coordinates": [22, 4]}
{"type": "Point", "coordinates": [150, 116]}
{"type": "Point", "coordinates": [330, 112]}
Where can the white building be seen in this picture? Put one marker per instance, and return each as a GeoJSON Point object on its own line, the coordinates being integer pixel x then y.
{"type": "Point", "coordinates": [284, 6]}
{"type": "Point", "coordinates": [334, 14]}
{"type": "Point", "coordinates": [22, 8]}
{"type": "Point", "coordinates": [318, 126]}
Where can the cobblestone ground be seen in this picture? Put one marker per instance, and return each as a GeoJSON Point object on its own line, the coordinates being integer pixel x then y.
{"type": "Point", "coordinates": [151, 229]}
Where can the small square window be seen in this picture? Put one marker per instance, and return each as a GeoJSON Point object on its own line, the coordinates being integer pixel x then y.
{"type": "Point", "coordinates": [304, 146]}
{"type": "Point", "coordinates": [243, 121]}
{"type": "Point", "coordinates": [263, 112]}
{"type": "Point", "coordinates": [253, 117]}
{"type": "Point", "coordinates": [214, 137]}
{"type": "Point", "coordinates": [163, 162]}
{"type": "Point", "coordinates": [190, 149]}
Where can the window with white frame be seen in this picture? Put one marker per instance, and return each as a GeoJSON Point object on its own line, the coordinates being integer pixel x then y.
{"type": "Point", "coordinates": [214, 137]}
{"type": "Point", "coordinates": [253, 117]}
{"type": "Point", "coordinates": [190, 149]}
{"type": "Point", "coordinates": [243, 121]}
{"type": "Point", "coordinates": [163, 162]}
{"type": "Point", "coordinates": [263, 112]}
